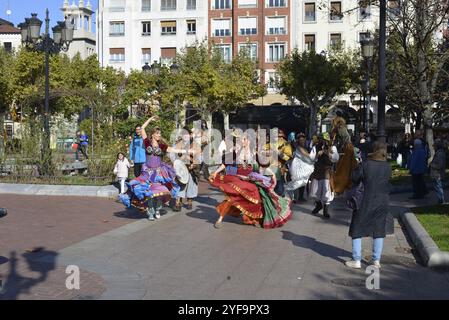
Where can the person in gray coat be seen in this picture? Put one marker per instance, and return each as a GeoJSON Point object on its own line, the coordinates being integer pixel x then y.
{"type": "Point", "coordinates": [438, 169]}
{"type": "Point", "coordinates": [370, 219]}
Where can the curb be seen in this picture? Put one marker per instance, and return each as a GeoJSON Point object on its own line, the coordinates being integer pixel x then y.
{"type": "Point", "coordinates": [432, 256]}
{"type": "Point", "coordinates": [59, 190]}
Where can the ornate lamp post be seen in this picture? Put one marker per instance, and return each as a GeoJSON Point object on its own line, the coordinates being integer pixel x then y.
{"type": "Point", "coordinates": [367, 45]}
{"type": "Point", "coordinates": [62, 36]}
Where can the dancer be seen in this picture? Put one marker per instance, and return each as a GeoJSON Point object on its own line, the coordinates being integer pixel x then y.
{"type": "Point", "coordinates": [190, 189]}
{"type": "Point", "coordinates": [249, 194]}
{"type": "Point", "coordinates": [301, 168]}
{"type": "Point", "coordinates": [325, 155]}
{"type": "Point", "coordinates": [157, 181]}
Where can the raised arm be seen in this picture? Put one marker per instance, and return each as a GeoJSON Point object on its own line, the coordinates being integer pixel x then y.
{"type": "Point", "coordinates": [151, 119]}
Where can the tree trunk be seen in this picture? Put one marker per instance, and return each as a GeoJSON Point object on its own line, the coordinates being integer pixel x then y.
{"type": "Point", "coordinates": [418, 120]}
{"type": "Point", "coordinates": [2, 140]}
{"type": "Point", "coordinates": [312, 121]}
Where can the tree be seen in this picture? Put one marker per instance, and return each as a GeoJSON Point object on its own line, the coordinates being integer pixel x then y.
{"type": "Point", "coordinates": [420, 59]}
{"type": "Point", "coordinates": [314, 79]}
{"type": "Point", "coordinates": [210, 84]}
{"type": "Point", "coordinates": [5, 94]}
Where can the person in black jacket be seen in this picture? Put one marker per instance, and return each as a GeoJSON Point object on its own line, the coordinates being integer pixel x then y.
{"type": "Point", "coordinates": [370, 219]}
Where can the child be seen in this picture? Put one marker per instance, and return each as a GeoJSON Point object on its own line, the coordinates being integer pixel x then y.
{"type": "Point", "coordinates": [121, 170]}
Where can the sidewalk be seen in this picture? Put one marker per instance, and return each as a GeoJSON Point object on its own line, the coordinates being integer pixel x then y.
{"type": "Point", "coordinates": [59, 190]}
{"type": "Point", "coordinates": [183, 257]}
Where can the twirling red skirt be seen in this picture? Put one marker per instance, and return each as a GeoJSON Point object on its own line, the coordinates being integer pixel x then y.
{"type": "Point", "coordinates": [242, 197]}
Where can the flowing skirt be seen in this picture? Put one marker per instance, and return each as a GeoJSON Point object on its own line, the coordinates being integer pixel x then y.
{"type": "Point", "coordinates": [254, 200]}
{"type": "Point", "coordinates": [153, 183]}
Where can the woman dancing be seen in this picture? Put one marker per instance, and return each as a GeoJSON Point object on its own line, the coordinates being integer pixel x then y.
{"type": "Point", "coordinates": [249, 194]}
{"type": "Point", "coordinates": [157, 181]}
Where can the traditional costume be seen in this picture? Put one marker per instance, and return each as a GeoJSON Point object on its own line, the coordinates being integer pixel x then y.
{"type": "Point", "coordinates": [300, 170]}
{"type": "Point", "coordinates": [252, 197]}
{"type": "Point", "coordinates": [155, 185]}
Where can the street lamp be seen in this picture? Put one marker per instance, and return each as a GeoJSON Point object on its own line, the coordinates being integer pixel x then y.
{"type": "Point", "coordinates": [62, 36]}
{"type": "Point", "coordinates": [381, 136]}
{"type": "Point", "coordinates": [367, 45]}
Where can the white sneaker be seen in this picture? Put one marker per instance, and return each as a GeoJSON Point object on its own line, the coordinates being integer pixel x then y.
{"type": "Point", "coordinates": [376, 264]}
{"type": "Point", "coordinates": [353, 264]}
{"type": "Point", "coordinates": [157, 215]}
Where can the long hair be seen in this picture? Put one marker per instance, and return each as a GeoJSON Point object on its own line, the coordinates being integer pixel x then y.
{"type": "Point", "coordinates": [153, 131]}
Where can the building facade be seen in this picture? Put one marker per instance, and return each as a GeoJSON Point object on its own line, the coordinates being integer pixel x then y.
{"type": "Point", "coordinates": [10, 38]}
{"type": "Point", "coordinates": [134, 32]}
{"type": "Point", "coordinates": [80, 16]}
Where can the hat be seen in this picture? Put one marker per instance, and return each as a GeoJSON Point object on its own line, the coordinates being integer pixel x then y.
{"type": "Point", "coordinates": [325, 136]}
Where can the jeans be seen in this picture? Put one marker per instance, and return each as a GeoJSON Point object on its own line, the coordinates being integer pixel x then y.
{"type": "Point", "coordinates": [357, 249]}
{"type": "Point", "coordinates": [438, 186]}
{"type": "Point", "coordinates": [154, 206]}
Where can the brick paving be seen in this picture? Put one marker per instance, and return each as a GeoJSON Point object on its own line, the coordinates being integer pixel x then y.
{"type": "Point", "coordinates": [39, 226]}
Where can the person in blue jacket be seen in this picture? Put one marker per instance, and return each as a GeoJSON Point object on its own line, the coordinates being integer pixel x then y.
{"type": "Point", "coordinates": [417, 164]}
{"type": "Point", "coordinates": [83, 142]}
{"type": "Point", "coordinates": [137, 151]}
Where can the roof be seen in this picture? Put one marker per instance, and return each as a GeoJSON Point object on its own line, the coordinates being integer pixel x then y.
{"type": "Point", "coordinates": [6, 28]}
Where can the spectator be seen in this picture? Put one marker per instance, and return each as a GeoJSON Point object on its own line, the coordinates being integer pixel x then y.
{"type": "Point", "coordinates": [370, 219]}
{"type": "Point", "coordinates": [438, 169]}
{"type": "Point", "coordinates": [82, 143]}
{"type": "Point", "coordinates": [417, 164]}
{"type": "Point", "coordinates": [137, 151]}
{"type": "Point", "coordinates": [404, 149]}
{"type": "Point", "coordinates": [363, 145]}
{"type": "Point", "coordinates": [121, 170]}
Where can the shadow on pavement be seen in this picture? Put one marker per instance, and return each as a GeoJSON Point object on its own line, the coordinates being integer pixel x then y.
{"type": "Point", "coordinates": [15, 284]}
{"type": "Point", "coordinates": [130, 213]}
{"type": "Point", "coordinates": [321, 248]}
{"type": "Point", "coordinates": [207, 200]}
{"type": "Point", "coordinates": [210, 215]}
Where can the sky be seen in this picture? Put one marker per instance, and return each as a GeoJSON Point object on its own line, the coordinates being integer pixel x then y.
{"type": "Point", "coordinates": [22, 9]}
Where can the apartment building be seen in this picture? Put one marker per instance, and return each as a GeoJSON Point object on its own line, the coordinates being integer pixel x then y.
{"type": "Point", "coordinates": [260, 26]}
{"type": "Point", "coordinates": [320, 25]}
{"type": "Point", "coordinates": [134, 32]}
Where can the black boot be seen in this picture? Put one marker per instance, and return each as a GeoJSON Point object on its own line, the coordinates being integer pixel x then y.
{"type": "Point", "coordinates": [325, 211]}
{"type": "Point", "coordinates": [318, 207]}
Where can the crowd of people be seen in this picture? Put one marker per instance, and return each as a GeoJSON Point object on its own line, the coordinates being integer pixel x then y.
{"type": "Point", "coordinates": [261, 191]}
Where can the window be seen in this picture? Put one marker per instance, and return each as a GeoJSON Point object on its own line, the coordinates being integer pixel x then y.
{"type": "Point", "coordinates": [191, 26]}
{"type": "Point", "coordinates": [191, 4]}
{"type": "Point", "coordinates": [146, 28]}
{"type": "Point", "coordinates": [309, 12]}
{"type": "Point", "coordinates": [225, 51]}
{"type": "Point", "coordinates": [364, 11]}
{"type": "Point", "coordinates": [167, 55]}
{"type": "Point", "coordinates": [146, 55]}
{"type": "Point", "coordinates": [117, 29]}
{"type": "Point", "coordinates": [221, 27]}
{"type": "Point", "coordinates": [168, 27]}
{"type": "Point", "coordinates": [251, 49]}
{"type": "Point", "coordinates": [117, 54]}
{"type": "Point", "coordinates": [247, 26]}
{"type": "Point", "coordinates": [335, 12]}
{"type": "Point", "coordinates": [221, 4]}
{"type": "Point", "coordinates": [335, 40]}
{"type": "Point", "coordinates": [167, 5]}
{"type": "Point", "coordinates": [276, 52]}
{"type": "Point", "coordinates": [247, 3]}
{"type": "Point", "coordinates": [276, 25]}
{"type": "Point", "coordinates": [309, 42]}
{"type": "Point", "coordinates": [117, 6]}
{"type": "Point", "coordinates": [364, 36]}
{"type": "Point", "coordinates": [146, 5]}
{"type": "Point", "coordinates": [276, 3]}
{"type": "Point", "coordinates": [7, 46]}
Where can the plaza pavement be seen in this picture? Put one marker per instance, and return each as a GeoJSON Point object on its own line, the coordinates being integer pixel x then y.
{"type": "Point", "coordinates": [182, 256]}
